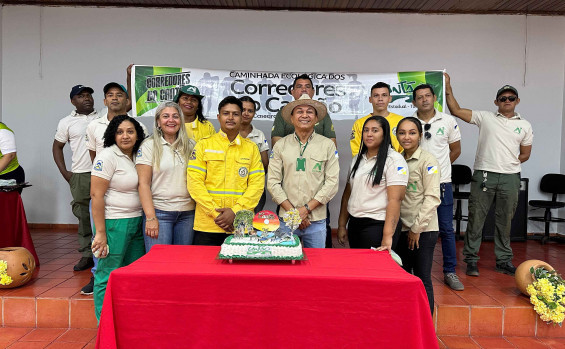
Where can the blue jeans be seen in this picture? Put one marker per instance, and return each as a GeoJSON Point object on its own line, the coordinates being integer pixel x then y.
{"type": "Point", "coordinates": [445, 220]}
{"type": "Point", "coordinates": [314, 235]}
{"type": "Point", "coordinates": [175, 228]}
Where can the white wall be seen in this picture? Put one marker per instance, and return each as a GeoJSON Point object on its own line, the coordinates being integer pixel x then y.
{"type": "Point", "coordinates": [94, 45]}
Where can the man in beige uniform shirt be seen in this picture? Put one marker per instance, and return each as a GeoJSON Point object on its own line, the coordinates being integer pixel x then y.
{"type": "Point", "coordinates": [304, 170]}
{"type": "Point", "coordinates": [505, 142]}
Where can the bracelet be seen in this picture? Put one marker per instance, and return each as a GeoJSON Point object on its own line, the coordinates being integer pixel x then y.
{"type": "Point", "coordinates": [151, 219]}
{"type": "Point", "coordinates": [307, 208]}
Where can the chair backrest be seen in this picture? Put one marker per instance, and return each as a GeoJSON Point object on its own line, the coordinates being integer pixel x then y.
{"type": "Point", "coordinates": [461, 174]}
{"type": "Point", "coordinates": [553, 183]}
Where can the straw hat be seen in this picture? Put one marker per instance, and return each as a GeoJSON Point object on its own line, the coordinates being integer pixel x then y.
{"type": "Point", "coordinates": [320, 107]}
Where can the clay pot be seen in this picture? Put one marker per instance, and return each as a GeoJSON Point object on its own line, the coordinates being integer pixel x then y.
{"type": "Point", "coordinates": [523, 276]}
{"type": "Point", "coordinates": [21, 265]}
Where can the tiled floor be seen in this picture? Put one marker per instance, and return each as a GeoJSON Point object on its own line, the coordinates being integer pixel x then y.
{"type": "Point", "coordinates": [49, 311]}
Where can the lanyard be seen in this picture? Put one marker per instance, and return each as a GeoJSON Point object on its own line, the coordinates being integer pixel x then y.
{"type": "Point", "coordinates": [302, 148]}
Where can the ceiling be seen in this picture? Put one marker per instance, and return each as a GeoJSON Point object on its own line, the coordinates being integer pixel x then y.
{"type": "Point", "coordinates": [534, 7]}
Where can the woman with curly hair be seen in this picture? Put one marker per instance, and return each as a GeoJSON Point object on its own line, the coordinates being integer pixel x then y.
{"type": "Point", "coordinates": [161, 166]}
{"type": "Point", "coordinates": [116, 208]}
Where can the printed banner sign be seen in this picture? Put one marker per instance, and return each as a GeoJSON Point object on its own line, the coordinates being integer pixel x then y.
{"type": "Point", "coordinates": [345, 94]}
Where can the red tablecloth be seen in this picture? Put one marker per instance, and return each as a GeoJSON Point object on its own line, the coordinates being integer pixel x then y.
{"type": "Point", "coordinates": [182, 297]}
{"type": "Point", "coordinates": [14, 231]}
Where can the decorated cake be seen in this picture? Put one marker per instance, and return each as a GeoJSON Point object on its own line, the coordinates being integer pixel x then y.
{"type": "Point", "coordinates": [262, 237]}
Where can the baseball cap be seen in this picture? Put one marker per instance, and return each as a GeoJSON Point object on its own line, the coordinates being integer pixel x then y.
{"type": "Point", "coordinates": [189, 90]}
{"type": "Point", "coordinates": [506, 88]}
{"type": "Point", "coordinates": [114, 84]}
{"type": "Point", "coordinates": [78, 89]}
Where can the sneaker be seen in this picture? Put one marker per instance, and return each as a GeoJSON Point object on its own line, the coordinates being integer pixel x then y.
{"type": "Point", "coordinates": [472, 269]}
{"type": "Point", "coordinates": [452, 281]}
{"type": "Point", "coordinates": [84, 263]}
{"type": "Point", "coordinates": [89, 288]}
{"type": "Point", "coordinates": [506, 268]}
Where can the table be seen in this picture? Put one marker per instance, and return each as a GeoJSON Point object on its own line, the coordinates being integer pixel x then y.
{"type": "Point", "coordinates": [182, 297]}
{"type": "Point", "coordinates": [14, 231]}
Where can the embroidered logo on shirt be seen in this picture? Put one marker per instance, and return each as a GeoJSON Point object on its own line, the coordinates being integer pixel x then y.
{"type": "Point", "coordinates": [352, 134]}
{"type": "Point", "coordinates": [518, 130]}
{"type": "Point", "coordinates": [98, 166]}
{"type": "Point", "coordinates": [317, 167]}
{"type": "Point", "coordinates": [242, 172]}
{"type": "Point", "coordinates": [440, 131]}
{"type": "Point", "coordinates": [456, 126]}
{"type": "Point", "coordinates": [139, 153]}
{"type": "Point", "coordinates": [394, 130]}
{"type": "Point", "coordinates": [412, 187]}
{"type": "Point", "coordinates": [86, 138]}
{"type": "Point", "coordinates": [336, 154]}
{"type": "Point", "coordinates": [193, 155]}
{"type": "Point", "coordinates": [432, 169]}
{"type": "Point", "coordinates": [401, 170]}
{"type": "Point", "coordinates": [271, 155]}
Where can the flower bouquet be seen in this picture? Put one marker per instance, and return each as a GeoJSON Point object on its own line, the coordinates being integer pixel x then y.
{"type": "Point", "coordinates": [547, 294]}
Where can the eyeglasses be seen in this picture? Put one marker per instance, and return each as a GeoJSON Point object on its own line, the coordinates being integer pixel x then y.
{"type": "Point", "coordinates": [427, 134]}
{"type": "Point", "coordinates": [510, 98]}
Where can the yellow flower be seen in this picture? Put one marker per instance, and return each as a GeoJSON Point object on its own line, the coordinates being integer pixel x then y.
{"type": "Point", "coordinates": [3, 266]}
{"type": "Point", "coordinates": [5, 279]}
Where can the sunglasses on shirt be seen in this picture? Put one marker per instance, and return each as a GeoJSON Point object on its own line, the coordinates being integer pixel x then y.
{"type": "Point", "coordinates": [510, 98]}
{"type": "Point", "coordinates": [427, 134]}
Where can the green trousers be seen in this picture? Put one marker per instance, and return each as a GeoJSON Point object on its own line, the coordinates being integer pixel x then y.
{"type": "Point", "coordinates": [125, 241]}
{"type": "Point", "coordinates": [80, 190]}
{"type": "Point", "coordinates": [504, 189]}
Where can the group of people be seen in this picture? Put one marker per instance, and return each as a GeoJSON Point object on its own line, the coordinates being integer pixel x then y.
{"type": "Point", "coordinates": [184, 183]}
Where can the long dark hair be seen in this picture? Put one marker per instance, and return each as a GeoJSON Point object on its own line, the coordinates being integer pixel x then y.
{"type": "Point", "coordinates": [377, 171]}
{"type": "Point", "coordinates": [110, 133]}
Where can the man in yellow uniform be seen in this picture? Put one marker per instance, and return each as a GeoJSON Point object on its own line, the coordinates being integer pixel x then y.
{"type": "Point", "coordinates": [380, 98]}
{"type": "Point", "coordinates": [225, 175]}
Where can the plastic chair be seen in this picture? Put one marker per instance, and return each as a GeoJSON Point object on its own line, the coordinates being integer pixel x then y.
{"type": "Point", "coordinates": [553, 183]}
{"type": "Point", "coordinates": [460, 175]}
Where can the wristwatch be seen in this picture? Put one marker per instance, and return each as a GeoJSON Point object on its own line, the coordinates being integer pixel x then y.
{"type": "Point", "coordinates": [307, 208]}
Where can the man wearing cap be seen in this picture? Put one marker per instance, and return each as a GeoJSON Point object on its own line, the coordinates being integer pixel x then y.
{"type": "Point", "coordinates": [224, 175]}
{"type": "Point", "coordinates": [505, 141]}
{"type": "Point", "coordinates": [72, 129]}
{"type": "Point", "coordinates": [116, 99]}
{"type": "Point", "coordinates": [380, 99]}
{"type": "Point", "coordinates": [442, 139]}
{"type": "Point", "coordinates": [190, 101]}
{"type": "Point", "coordinates": [304, 170]}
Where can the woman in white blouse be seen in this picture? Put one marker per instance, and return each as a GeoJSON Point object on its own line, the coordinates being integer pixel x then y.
{"type": "Point", "coordinates": [161, 166]}
{"type": "Point", "coordinates": [116, 209]}
{"type": "Point", "coordinates": [375, 188]}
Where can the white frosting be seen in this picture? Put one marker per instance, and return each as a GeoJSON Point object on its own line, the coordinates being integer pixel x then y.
{"type": "Point", "coordinates": [248, 247]}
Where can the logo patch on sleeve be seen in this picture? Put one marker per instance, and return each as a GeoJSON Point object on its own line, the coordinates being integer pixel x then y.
{"type": "Point", "coordinates": [271, 155]}
{"type": "Point", "coordinates": [99, 165]}
{"type": "Point", "coordinates": [432, 169]}
{"type": "Point", "coordinates": [352, 134]}
{"type": "Point", "coordinates": [193, 155]}
{"type": "Point", "coordinates": [336, 154]}
{"type": "Point", "coordinates": [401, 170]}
{"type": "Point", "coordinates": [139, 153]}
